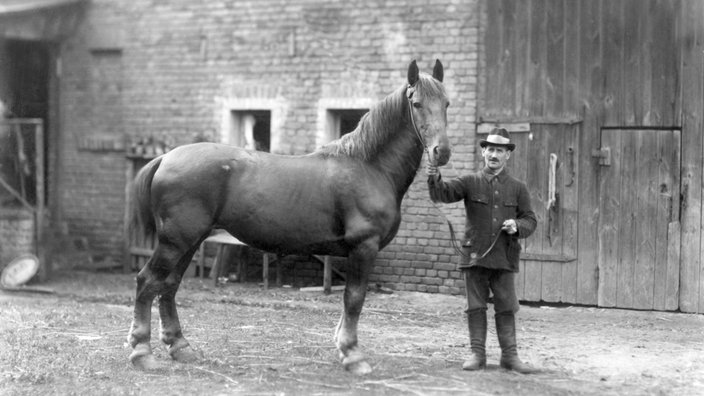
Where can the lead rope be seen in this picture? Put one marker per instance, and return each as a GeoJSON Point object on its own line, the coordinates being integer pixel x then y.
{"type": "Point", "coordinates": [453, 238]}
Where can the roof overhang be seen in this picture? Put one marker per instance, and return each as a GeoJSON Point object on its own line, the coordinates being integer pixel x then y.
{"type": "Point", "coordinates": [48, 20]}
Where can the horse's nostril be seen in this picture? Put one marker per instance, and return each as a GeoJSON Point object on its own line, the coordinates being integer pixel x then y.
{"type": "Point", "coordinates": [441, 156]}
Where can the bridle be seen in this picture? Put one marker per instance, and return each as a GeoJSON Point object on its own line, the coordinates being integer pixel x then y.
{"type": "Point", "coordinates": [409, 95]}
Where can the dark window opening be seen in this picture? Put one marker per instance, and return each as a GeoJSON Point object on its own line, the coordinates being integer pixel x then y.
{"type": "Point", "coordinates": [261, 131]}
{"type": "Point", "coordinates": [349, 119]}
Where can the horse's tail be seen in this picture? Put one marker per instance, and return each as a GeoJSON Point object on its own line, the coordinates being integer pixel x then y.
{"type": "Point", "coordinates": [141, 215]}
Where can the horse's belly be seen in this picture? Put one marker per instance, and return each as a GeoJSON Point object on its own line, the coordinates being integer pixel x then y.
{"type": "Point", "coordinates": [284, 225]}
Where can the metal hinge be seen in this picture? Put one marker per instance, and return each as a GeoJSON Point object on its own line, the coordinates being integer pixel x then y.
{"type": "Point", "coordinates": [604, 155]}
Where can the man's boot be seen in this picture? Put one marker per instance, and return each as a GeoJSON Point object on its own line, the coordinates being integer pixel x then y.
{"type": "Point", "coordinates": [506, 331]}
{"type": "Point", "coordinates": [476, 320]}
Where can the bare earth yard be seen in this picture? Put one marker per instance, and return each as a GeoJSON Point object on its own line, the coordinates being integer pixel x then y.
{"type": "Point", "coordinates": [279, 341]}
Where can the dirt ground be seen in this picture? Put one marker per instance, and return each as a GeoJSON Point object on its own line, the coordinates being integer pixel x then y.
{"type": "Point", "coordinates": [279, 342]}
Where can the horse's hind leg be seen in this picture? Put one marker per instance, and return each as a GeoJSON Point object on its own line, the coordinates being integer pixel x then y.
{"type": "Point", "coordinates": [160, 277]}
{"type": "Point", "coordinates": [150, 283]}
{"type": "Point", "coordinates": [171, 333]}
{"type": "Point", "coordinates": [360, 262]}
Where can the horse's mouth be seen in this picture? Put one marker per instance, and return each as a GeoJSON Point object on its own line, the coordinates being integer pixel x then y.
{"type": "Point", "coordinates": [441, 156]}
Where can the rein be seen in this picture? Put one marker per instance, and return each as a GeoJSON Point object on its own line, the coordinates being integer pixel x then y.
{"type": "Point", "coordinates": [453, 237]}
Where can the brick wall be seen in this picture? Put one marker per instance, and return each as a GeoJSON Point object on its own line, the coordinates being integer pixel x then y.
{"type": "Point", "coordinates": [176, 68]}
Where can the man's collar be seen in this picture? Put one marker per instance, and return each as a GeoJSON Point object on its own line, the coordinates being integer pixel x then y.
{"type": "Point", "coordinates": [489, 175]}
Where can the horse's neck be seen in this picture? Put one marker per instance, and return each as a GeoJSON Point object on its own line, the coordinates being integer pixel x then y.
{"type": "Point", "coordinates": [400, 159]}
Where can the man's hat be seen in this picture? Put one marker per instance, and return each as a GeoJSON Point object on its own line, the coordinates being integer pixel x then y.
{"type": "Point", "coordinates": [498, 137]}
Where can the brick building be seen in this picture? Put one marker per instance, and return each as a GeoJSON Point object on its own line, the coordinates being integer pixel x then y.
{"type": "Point", "coordinates": [177, 71]}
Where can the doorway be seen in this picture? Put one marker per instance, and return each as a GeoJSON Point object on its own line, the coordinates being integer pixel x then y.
{"type": "Point", "coordinates": [25, 96]}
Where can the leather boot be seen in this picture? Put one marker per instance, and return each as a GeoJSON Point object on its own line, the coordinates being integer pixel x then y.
{"type": "Point", "coordinates": [476, 321]}
{"type": "Point", "coordinates": [506, 331]}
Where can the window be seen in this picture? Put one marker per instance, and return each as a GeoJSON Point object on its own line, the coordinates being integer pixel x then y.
{"type": "Point", "coordinates": [343, 121]}
{"type": "Point", "coordinates": [338, 116]}
{"type": "Point", "coordinates": [251, 129]}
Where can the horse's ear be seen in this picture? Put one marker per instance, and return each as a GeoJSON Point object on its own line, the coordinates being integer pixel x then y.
{"type": "Point", "coordinates": [438, 72]}
{"type": "Point", "coordinates": [412, 73]}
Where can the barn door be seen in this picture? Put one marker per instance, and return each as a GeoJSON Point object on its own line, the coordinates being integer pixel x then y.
{"type": "Point", "coordinates": [638, 236]}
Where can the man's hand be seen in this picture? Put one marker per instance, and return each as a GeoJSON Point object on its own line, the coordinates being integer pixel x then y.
{"type": "Point", "coordinates": [432, 171]}
{"type": "Point", "coordinates": [510, 226]}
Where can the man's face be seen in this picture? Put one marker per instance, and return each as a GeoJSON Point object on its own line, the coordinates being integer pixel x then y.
{"type": "Point", "coordinates": [495, 157]}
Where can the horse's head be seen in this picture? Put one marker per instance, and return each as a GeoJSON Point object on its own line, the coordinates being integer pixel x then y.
{"type": "Point", "coordinates": [428, 103]}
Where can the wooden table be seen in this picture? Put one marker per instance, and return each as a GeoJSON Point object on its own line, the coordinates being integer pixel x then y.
{"type": "Point", "coordinates": [222, 238]}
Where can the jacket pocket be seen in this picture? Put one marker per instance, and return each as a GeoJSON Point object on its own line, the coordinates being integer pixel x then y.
{"type": "Point", "coordinates": [468, 257]}
{"type": "Point", "coordinates": [510, 209]}
{"type": "Point", "coordinates": [480, 198]}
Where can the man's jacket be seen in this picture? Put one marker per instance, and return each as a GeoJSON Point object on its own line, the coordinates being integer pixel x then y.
{"type": "Point", "coordinates": [488, 200]}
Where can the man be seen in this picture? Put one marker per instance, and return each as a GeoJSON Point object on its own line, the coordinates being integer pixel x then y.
{"type": "Point", "coordinates": [498, 212]}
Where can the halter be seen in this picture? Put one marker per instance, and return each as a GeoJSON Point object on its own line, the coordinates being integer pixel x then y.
{"type": "Point", "coordinates": [409, 95]}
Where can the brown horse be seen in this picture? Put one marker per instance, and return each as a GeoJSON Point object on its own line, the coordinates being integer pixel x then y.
{"type": "Point", "coordinates": [343, 200]}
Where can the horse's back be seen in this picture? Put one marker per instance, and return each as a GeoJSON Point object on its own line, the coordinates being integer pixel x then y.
{"type": "Point", "coordinates": [263, 199]}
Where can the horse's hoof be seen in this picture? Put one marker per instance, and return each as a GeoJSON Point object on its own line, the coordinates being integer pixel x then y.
{"type": "Point", "coordinates": [187, 355]}
{"type": "Point", "coordinates": [359, 367]}
{"type": "Point", "coordinates": [146, 363]}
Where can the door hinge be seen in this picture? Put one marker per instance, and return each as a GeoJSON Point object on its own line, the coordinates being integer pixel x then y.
{"type": "Point", "coordinates": [604, 155]}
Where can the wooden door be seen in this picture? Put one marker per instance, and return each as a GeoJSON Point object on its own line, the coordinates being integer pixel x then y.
{"type": "Point", "coordinates": [638, 238]}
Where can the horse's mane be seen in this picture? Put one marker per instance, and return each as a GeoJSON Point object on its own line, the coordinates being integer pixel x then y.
{"type": "Point", "coordinates": [380, 124]}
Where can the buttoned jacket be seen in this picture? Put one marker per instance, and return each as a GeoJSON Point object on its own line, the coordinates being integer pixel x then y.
{"type": "Point", "coordinates": [489, 200]}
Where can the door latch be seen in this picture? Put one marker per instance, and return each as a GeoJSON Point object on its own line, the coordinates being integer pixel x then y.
{"type": "Point", "coordinates": [604, 155]}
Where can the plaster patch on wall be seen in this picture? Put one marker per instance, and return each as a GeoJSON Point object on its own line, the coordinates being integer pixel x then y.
{"type": "Point", "coordinates": [394, 37]}
{"type": "Point", "coordinates": [241, 96]}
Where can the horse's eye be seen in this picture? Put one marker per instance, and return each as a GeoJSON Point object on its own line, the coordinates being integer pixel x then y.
{"type": "Point", "coordinates": [447, 105]}
{"type": "Point", "coordinates": [417, 105]}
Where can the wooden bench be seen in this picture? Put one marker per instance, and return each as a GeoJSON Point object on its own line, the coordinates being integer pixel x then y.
{"type": "Point", "coordinates": [222, 238]}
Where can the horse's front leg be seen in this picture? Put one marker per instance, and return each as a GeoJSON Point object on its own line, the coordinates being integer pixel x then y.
{"type": "Point", "coordinates": [360, 262]}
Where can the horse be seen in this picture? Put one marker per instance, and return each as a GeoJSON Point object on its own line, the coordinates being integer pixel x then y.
{"type": "Point", "coordinates": [343, 199]}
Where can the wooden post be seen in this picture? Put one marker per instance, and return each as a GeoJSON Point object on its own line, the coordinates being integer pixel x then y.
{"type": "Point", "coordinates": [126, 237]}
{"type": "Point", "coordinates": [217, 264]}
{"type": "Point", "coordinates": [278, 271]}
{"type": "Point", "coordinates": [45, 267]}
{"type": "Point", "coordinates": [201, 260]}
{"type": "Point", "coordinates": [265, 270]}
{"type": "Point", "coordinates": [327, 275]}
